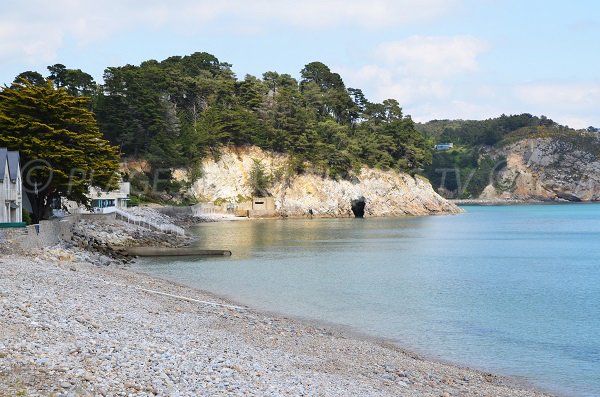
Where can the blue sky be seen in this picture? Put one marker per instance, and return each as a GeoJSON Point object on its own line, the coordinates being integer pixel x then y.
{"type": "Point", "coordinates": [439, 58]}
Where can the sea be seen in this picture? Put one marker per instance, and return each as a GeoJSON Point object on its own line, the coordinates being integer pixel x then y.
{"type": "Point", "coordinates": [513, 290]}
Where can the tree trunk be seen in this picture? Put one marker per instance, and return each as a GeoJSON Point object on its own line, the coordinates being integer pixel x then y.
{"type": "Point", "coordinates": [39, 206]}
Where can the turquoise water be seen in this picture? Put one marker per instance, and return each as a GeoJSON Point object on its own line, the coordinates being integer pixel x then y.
{"type": "Point", "coordinates": [513, 290]}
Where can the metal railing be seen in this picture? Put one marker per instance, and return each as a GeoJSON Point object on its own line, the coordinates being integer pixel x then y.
{"type": "Point", "coordinates": [147, 223]}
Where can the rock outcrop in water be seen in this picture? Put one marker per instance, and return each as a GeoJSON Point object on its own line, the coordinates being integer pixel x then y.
{"type": "Point", "coordinates": [384, 193]}
{"type": "Point", "coordinates": [562, 167]}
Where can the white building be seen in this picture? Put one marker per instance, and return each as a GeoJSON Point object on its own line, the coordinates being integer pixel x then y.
{"type": "Point", "coordinates": [101, 201]}
{"type": "Point", "coordinates": [11, 189]}
{"type": "Point", "coordinates": [443, 146]}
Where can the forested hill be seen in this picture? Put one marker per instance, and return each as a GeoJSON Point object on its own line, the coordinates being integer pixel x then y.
{"type": "Point", "coordinates": [518, 157]}
{"type": "Point", "coordinates": [177, 111]}
{"type": "Point", "coordinates": [482, 132]}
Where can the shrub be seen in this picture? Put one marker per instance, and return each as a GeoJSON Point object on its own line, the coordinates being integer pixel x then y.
{"type": "Point", "coordinates": [27, 217]}
{"type": "Point", "coordinates": [259, 180]}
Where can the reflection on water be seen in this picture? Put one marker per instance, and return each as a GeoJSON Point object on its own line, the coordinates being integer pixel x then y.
{"type": "Point", "coordinates": [245, 239]}
{"type": "Point", "coordinates": [509, 289]}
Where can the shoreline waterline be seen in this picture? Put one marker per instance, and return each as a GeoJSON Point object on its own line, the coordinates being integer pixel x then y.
{"type": "Point", "coordinates": [89, 329]}
{"type": "Point", "coordinates": [351, 332]}
{"type": "Point", "coordinates": [340, 271]}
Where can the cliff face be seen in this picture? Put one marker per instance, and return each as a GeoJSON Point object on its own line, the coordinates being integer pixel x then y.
{"type": "Point", "coordinates": [385, 193]}
{"type": "Point", "coordinates": [549, 168]}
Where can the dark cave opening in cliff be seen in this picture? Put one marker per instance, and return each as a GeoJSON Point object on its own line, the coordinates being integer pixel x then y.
{"type": "Point", "coordinates": [358, 207]}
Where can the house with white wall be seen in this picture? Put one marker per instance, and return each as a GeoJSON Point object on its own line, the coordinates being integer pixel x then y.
{"type": "Point", "coordinates": [102, 201]}
{"type": "Point", "coordinates": [11, 188]}
{"type": "Point", "coordinates": [443, 146]}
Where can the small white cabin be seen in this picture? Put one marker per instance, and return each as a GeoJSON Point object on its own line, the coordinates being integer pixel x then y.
{"type": "Point", "coordinates": [118, 199]}
{"type": "Point", "coordinates": [443, 146]}
{"type": "Point", "coordinates": [103, 201]}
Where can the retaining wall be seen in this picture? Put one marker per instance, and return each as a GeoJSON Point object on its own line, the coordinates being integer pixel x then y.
{"type": "Point", "coordinates": [46, 234]}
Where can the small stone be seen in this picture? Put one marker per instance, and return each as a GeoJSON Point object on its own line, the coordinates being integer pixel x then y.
{"type": "Point", "coordinates": [131, 385]}
{"type": "Point", "coordinates": [65, 385]}
{"type": "Point", "coordinates": [41, 361]}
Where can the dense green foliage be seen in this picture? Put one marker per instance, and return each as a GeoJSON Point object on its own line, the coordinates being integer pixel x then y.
{"type": "Point", "coordinates": [259, 179]}
{"type": "Point", "coordinates": [462, 172]}
{"type": "Point", "coordinates": [481, 132]}
{"type": "Point", "coordinates": [62, 150]}
{"type": "Point", "coordinates": [465, 170]}
{"type": "Point", "coordinates": [177, 111]}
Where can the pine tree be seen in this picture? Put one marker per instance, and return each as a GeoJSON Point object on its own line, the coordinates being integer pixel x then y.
{"type": "Point", "coordinates": [62, 150]}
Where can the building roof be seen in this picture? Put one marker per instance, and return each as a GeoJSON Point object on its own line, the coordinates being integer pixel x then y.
{"type": "Point", "coordinates": [12, 159]}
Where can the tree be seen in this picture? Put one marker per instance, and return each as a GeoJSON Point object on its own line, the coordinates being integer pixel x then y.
{"type": "Point", "coordinates": [62, 150]}
{"type": "Point", "coordinates": [58, 74]}
{"type": "Point", "coordinates": [75, 81]}
{"type": "Point", "coordinates": [33, 77]}
{"type": "Point", "coordinates": [321, 75]}
{"type": "Point", "coordinates": [259, 180]}
{"type": "Point", "coordinates": [325, 92]}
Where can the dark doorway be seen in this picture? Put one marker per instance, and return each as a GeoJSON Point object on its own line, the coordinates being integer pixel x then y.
{"type": "Point", "coordinates": [358, 207]}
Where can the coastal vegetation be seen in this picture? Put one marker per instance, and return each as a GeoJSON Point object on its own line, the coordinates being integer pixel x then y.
{"type": "Point", "coordinates": [178, 112]}
{"type": "Point", "coordinates": [259, 179]}
{"type": "Point", "coordinates": [465, 170]}
{"type": "Point", "coordinates": [62, 150]}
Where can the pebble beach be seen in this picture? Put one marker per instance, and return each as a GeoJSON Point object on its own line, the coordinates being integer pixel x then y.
{"type": "Point", "coordinates": [70, 328]}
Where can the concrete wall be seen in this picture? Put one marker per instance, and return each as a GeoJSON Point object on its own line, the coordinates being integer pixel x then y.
{"type": "Point", "coordinates": [263, 204]}
{"type": "Point", "coordinates": [211, 208]}
{"type": "Point", "coordinates": [46, 234]}
{"type": "Point", "coordinates": [176, 211]}
{"type": "Point", "coordinates": [263, 207]}
{"type": "Point", "coordinates": [111, 216]}
{"type": "Point", "coordinates": [259, 207]}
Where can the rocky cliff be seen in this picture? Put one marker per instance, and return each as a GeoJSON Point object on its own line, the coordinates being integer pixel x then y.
{"type": "Point", "coordinates": [385, 193]}
{"type": "Point", "coordinates": [560, 167]}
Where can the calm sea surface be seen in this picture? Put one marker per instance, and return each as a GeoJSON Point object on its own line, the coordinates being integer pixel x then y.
{"type": "Point", "coordinates": [513, 290]}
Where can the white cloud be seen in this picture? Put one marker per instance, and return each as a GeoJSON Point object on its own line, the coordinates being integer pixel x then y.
{"type": "Point", "coordinates": [38, 42]}
{"type": "Point", "coordinates": [419, 71]}
{"type": "Point", "coordinates": [578, 122]}
{"type": "Point", "coordinates": [438, 78]}
{"type": "Point", "coordinates": [560, 95]}
{"type": "Point", "coordinates": [433, 56]}
{"type": "Point", "coordinates": [371, 14]}
{"type": "Point", "coordinates": [37, 29]}
{"type": "Point", "coordinates": [383, 83]}
{"type": "Point", "coordinates": [455, 109]}
{"type": "Point", "coordinates": [567, 103]}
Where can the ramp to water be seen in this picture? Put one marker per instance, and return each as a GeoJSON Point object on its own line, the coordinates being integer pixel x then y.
{"type": "Point", "coordinates": [186, 251]}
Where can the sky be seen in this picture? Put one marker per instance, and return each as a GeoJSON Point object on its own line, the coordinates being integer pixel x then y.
{"type": "Point", "coordinates": [441, 59]}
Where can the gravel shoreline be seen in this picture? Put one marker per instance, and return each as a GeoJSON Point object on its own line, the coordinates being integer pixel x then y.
{"type": "Point", "coordinates": [70, 328]}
